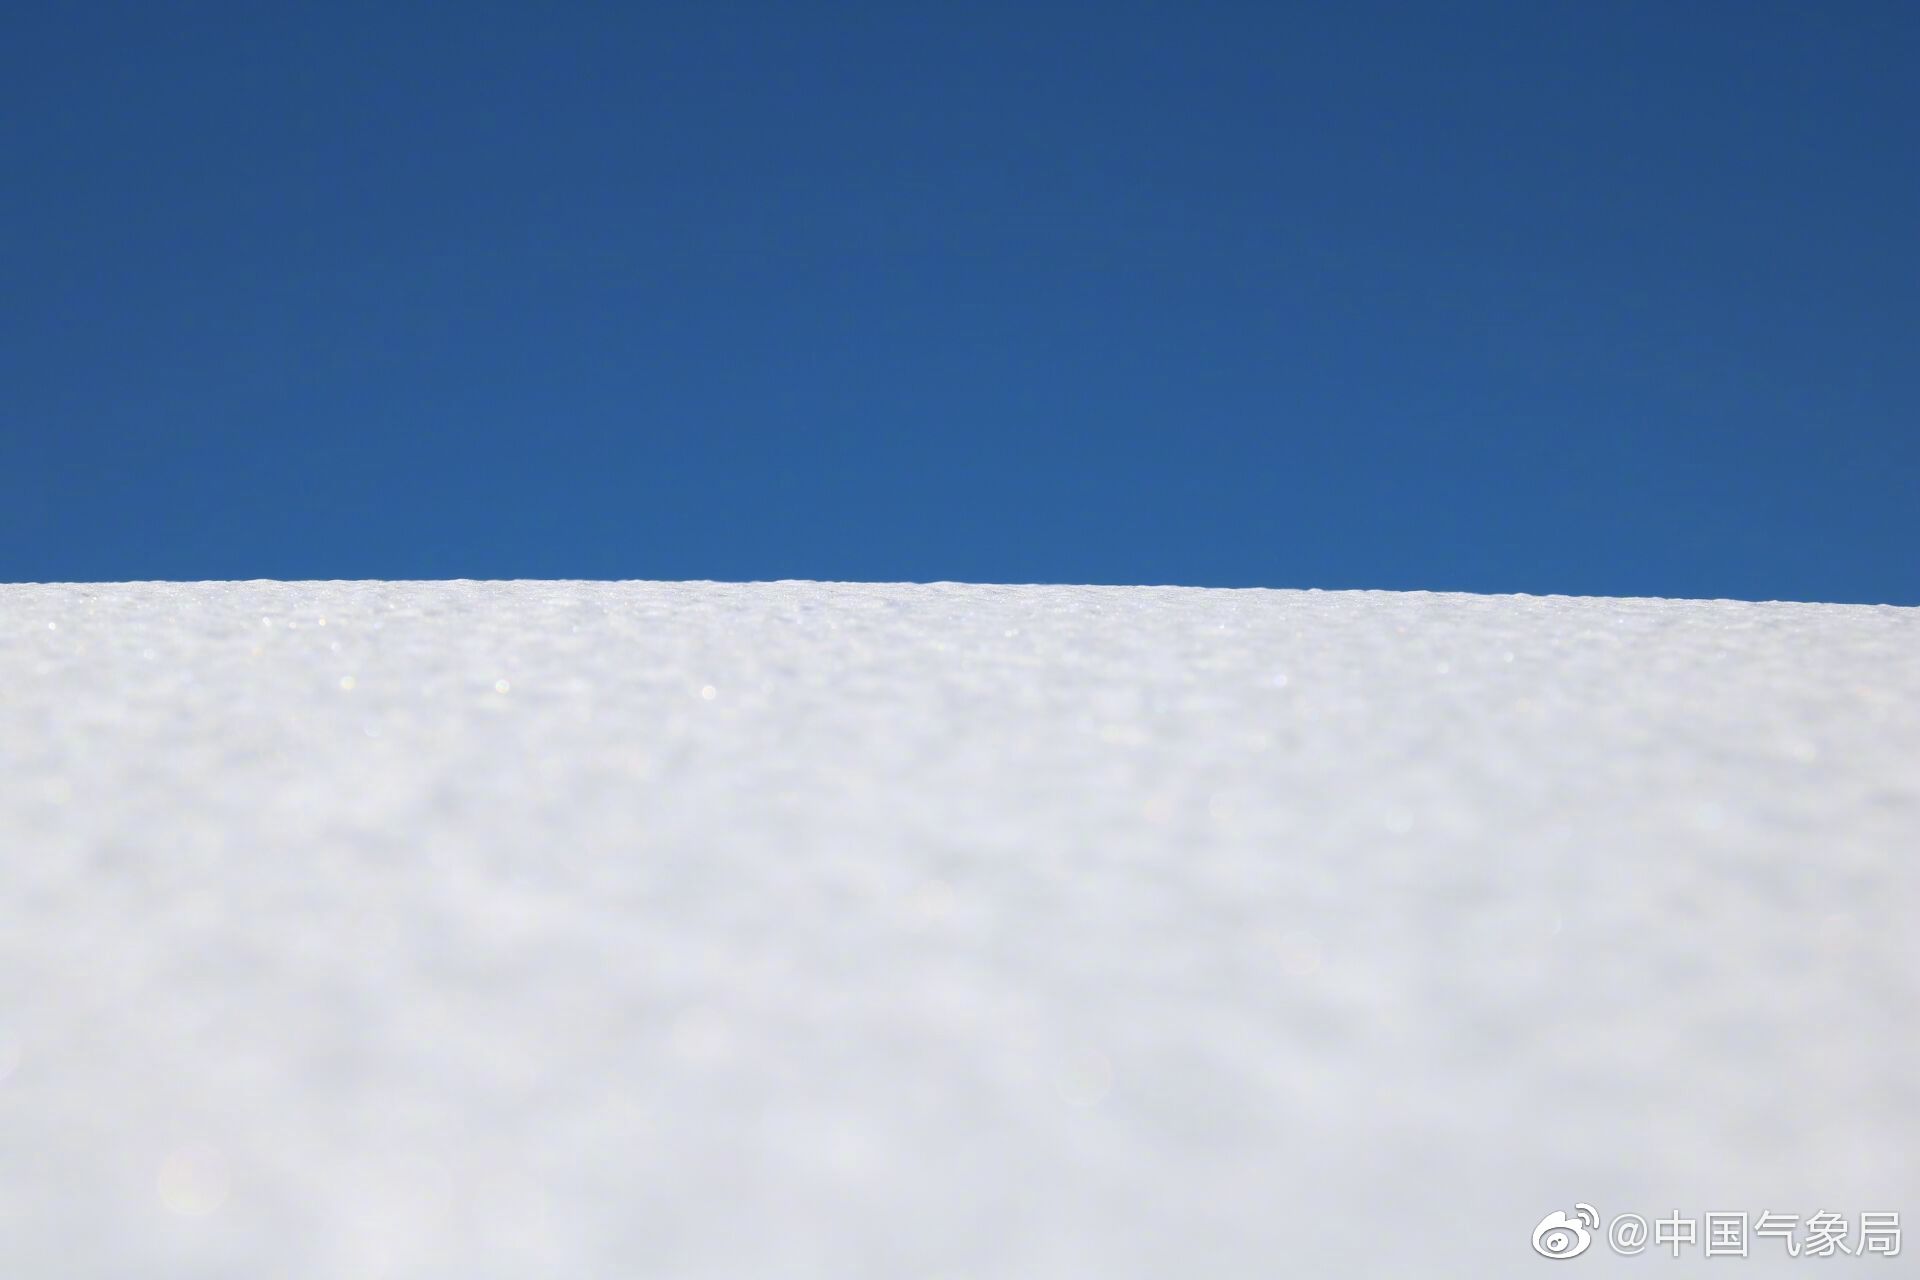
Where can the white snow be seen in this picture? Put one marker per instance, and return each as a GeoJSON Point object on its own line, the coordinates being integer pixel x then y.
{"type": "Point", "coordinates": [585, 930]}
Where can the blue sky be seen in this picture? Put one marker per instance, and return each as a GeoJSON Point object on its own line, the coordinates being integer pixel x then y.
{"type": "Point", "coordinates": [1612, 298]}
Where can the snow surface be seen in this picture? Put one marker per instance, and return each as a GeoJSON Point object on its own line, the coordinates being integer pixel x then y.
{"type": "Point", "coordinates": [578, 930]}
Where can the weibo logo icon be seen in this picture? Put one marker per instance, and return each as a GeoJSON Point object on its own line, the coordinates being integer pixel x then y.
{"type": "Point", "coordinates": [1560, 1236]}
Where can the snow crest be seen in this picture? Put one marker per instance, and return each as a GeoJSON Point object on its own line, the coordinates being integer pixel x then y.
{"type": "Point", "coordinates": [797, 929]}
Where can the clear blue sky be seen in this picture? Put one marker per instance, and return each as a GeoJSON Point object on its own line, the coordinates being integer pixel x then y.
{"type": "Point", "coordinates": [1616, 298]}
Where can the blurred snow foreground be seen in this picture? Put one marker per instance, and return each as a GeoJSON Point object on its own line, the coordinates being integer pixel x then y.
{"type": "Point", "coordinates": [690, 930]}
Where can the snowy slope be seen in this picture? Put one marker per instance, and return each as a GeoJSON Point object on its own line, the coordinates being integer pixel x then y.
{"type": "Point", "coordinates": [563, 929]}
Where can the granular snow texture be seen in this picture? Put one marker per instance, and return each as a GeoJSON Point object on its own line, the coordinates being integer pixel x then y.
{"type": "Point", "coordinates": [467, 930]}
